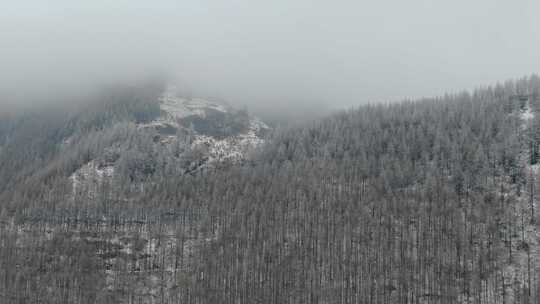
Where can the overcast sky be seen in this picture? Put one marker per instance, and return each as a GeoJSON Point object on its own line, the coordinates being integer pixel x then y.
{"type": "Point", "coordinates": [341, 53]}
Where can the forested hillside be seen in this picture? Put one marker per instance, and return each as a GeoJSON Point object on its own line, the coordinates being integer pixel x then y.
{"type": "Point", "coordinates": [426, 201]}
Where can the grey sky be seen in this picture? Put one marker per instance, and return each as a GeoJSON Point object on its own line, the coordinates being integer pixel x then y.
{"type": "Point", "coordinates": [274, 52]}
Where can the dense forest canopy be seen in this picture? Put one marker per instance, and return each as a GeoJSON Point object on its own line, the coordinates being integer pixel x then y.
{"type": "Point", "coordinates": [426, 201]}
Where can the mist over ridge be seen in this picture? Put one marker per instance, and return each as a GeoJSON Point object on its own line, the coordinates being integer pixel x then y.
{"type": "Point", "coordinates": [269, 56]}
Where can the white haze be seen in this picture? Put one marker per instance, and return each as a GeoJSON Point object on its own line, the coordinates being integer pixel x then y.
{"type": "Point", "coordinates": [267, 54]}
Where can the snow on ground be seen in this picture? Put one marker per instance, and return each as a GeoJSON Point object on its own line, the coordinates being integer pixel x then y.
{"type": "Point", "coordinates": [526, 242]}
{"type": "Point", "coordinates": [177, 107]}
{"type": "Point", "coordinates": [173, 110]}
{"type": "Point", "coordinates": [527, 114]}
{"type": "Point", "coordinates": [90, 176]}
{"type": "Point", "coordinates": [233, 148]}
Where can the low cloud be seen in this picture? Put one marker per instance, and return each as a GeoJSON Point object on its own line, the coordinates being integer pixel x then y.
{"type": "Point", "coordinates": [266, 54]}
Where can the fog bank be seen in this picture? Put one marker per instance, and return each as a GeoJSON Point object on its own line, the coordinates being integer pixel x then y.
{"type": "Point", "coordinates": [267, 54]}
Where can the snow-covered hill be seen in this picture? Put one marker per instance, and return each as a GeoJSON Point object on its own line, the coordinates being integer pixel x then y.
{"type": "Point", "coordinates": [211, 124]}
{"type": "Point", "coordinates": [216, 131]}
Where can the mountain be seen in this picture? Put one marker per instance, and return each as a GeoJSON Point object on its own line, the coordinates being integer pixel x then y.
{"type": "Point", "coordinates": [128, 137]}
{"type": "Point", "coordinates": [187, 201]}
{"type": "Point", "coordinates": [193, 134]}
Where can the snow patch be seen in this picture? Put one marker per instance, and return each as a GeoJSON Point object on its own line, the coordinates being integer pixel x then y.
{"type": "Point", "coordinates": [527, 114]}
{"type": "Point", "coordinates": [233, 148]}
{"type": "Point", "coordinates": [89, 177]}
{"type": "Point", "coordinates": [176, 107]}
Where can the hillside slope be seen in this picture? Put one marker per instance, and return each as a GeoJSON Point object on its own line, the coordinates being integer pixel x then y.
{"type": "Point", "coordinates": [126, 139]}
{"type": "Point", "coordinates": [191, 134]}
{"type": "Point", "coordinates": [431, 201]}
